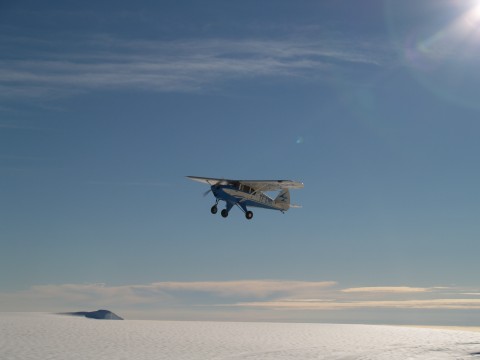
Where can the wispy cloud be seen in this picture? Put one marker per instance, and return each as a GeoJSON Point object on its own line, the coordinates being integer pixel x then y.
{"type": "Point", "coordinates": [442, 304]}
{"type": "Point", "coordinates": [162, 292]}
{"type": "Point", "coordinates": [249, 288]}
{"type": "Point", "coordinates": [180, 66]}
{"type": "Point", "coordinates": [387, 289]}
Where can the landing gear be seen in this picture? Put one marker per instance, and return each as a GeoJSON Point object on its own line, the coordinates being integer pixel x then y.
{"type": "Point", "coordinates": [225, 212]}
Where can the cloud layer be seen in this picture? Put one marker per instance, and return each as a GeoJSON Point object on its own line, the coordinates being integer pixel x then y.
{"type": "Point", "coordinates": [439, 304]}
{"type": "Point", "coordinates": [269, 297]}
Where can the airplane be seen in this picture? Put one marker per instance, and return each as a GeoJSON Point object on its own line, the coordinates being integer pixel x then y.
{"type": "Point", "coordinates": [251, 193]}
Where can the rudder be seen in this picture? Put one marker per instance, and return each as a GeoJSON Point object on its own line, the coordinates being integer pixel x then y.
{"type": "Point", "coordinates": [282, 200]}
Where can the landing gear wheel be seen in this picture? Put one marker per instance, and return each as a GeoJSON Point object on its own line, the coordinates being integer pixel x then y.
{"type": "Point", "coordinates": [214, 209]}
{"type": "Point", "coordinates": [249, 215]}
{"type": "Point", "coordinates": [224, 213]}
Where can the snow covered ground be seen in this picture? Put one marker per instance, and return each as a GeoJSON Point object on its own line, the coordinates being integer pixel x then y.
{"type": "Point", "coordinates": [46, 336]}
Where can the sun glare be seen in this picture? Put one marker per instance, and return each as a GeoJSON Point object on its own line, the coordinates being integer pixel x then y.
{"type": "Point", "coordinates": [473, 16]}
{"type": "Point", "coordinates": [476, 12]}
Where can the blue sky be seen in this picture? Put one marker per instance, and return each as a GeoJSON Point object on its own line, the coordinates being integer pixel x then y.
{"type": "Point", "coordinates": [106, 107]}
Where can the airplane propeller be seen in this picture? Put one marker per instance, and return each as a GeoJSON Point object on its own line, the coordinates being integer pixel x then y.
{"type": "Point", "coordinates": [210, 190]}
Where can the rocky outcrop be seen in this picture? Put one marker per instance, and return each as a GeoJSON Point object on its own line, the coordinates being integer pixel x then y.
{"type": "Point", "coordinates": [99, 314]}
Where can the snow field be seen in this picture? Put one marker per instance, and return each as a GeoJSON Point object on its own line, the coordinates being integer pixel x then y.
{"type": "Point", "coordinates": [45, 336]}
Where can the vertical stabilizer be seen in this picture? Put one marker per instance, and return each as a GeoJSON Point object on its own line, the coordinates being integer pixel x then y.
{"type": "Point", "coordinates": [282, 201]}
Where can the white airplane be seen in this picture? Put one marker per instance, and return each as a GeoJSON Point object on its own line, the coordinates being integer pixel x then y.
{"type": "Point", "coordinates": [245, 193]}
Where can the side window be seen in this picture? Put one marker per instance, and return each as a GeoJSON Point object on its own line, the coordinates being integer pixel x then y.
{"type": "Point", "coordinates": [246, 188]}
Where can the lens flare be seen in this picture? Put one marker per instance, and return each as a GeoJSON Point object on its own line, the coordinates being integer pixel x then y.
{"type": "Point", "coordinates": [443, 58]}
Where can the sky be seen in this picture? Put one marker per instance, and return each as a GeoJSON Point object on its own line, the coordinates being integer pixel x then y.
{"type": "Point", "coordinates": [107, 106]}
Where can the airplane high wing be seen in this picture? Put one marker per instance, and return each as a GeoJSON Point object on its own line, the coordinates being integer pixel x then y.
{"type": "Point", "coordinates": [261, 185]}
{"type": "Point", "coordinates": [245, 193]}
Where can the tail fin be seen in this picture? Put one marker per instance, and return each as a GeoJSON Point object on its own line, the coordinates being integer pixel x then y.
{"type": "Point", "coordinates": [282, 200]}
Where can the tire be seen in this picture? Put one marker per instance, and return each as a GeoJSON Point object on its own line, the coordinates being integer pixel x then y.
{"type": "Point", "coordinates": [249, 215]}
{"type": "Point", "coordinates": [224, 213]}
{"type": "Point", "coordinates": [214, 209]}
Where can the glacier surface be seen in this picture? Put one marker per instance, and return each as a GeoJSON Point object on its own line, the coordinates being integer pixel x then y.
{"type": "Point", "coordinates": [47, 336]}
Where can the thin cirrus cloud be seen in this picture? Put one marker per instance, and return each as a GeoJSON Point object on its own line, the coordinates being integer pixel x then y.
{"type": "Point", "coordinates": [387, 289]}
{"type": "Point", "coordinates": [172, 66]}
{"type": "Point", "coordinates": [442, 304]}
{"type": "Point", "coordinates": [248, 288]}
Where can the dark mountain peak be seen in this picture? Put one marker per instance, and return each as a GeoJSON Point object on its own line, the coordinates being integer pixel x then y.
{"type": "Point", "coordinates": [99, 314]}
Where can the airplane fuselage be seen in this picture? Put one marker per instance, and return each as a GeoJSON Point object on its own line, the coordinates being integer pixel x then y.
{"type": "Point", "coordinates": [244, 198]}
